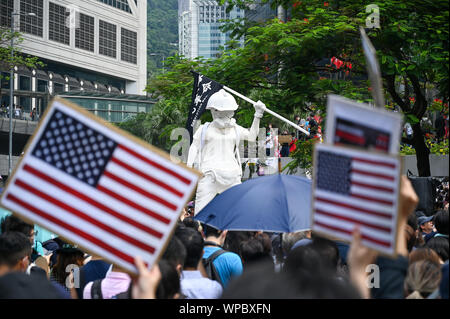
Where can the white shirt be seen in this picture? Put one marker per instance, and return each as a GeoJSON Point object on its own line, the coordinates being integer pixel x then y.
{"type": "Point", "coordinates": [194, 286]}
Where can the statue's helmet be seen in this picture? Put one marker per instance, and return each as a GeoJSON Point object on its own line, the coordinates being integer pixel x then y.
{"type": "Point", "coordinates": [222, 101]}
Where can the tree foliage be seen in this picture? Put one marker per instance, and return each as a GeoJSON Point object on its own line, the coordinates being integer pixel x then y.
{"type": "Point", "coordinates": [162, 33]}
{"type": "Point", "coordinates": [289, 64]}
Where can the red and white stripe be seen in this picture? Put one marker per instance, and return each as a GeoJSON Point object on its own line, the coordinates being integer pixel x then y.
{"type": "Point", "coordinates": [371, 204]}
{"type": "Point", "coordinates": [130, 213]}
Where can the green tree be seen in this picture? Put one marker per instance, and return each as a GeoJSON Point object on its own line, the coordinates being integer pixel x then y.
{"type": "Point", "coordinates": [288, 65]}
{"type": "Point", "coordinates": [162, 33]}
{"type": "Point", "coordinates": [7, 62]}
{"type": "Point", "coordinates": [412, 45]}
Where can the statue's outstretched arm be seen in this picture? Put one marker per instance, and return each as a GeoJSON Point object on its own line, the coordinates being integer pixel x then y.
{"type": "Point", "coordinates": [251, 134]}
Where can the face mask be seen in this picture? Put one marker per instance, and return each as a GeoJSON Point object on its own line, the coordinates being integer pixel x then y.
{"type": "Point", "coordinates": [222, 118]}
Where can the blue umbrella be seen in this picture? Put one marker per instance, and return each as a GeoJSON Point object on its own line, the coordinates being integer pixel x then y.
{"type": "Point", "coordinates": [277, 203]}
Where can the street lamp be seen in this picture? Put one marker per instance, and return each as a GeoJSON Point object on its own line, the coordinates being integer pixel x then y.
{"type": "Point", "coordinates": [163, 58]}
{"type": "Point", "coordinates": [11, 87]}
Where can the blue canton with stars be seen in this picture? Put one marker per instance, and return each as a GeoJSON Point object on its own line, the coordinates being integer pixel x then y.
{"type": "Point", "coordinates": [74, 148]}
{"type": "Point", "coordinates": [334, 172]}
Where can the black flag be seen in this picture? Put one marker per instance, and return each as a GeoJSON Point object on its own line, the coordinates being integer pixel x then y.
{"type": "Point", "coordinates": [203, 89]}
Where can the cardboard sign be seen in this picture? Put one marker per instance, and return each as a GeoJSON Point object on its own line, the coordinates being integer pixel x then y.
{"type": "Point", "coordinates": [359, 125]}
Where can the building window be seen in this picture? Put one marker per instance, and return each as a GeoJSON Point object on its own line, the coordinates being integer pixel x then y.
{"type": "Point", "coordinates": [6, 8]}
{"type": "Point", "coordinates": [57, 29]}
{"type": "Point", "coordinates": [58, 87]}
{"type": "Point", "coordinates": [84, 35]}
{"type": "Point", "coordinates": [24, 83]}
{"type": "Point", "coordinates": [128, 46]}
{"type": "Point", "coordinates": [29, 24]}
{"type": "Point", "coordinates": [4, 78]}
{"type": "Point", "coordinates": [107, 39]}
{"type": "Point", "coordinates": [119, 4]}
{"type": "Point", "coordinates": [42, 85]}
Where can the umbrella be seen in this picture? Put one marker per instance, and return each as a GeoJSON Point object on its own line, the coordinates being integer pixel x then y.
{"type": "Point", "coordinates": [277, 203]}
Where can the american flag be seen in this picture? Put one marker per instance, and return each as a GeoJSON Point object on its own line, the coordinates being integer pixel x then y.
{"type": "Point", "coordinates": [356, 188]}
{"type": "Point", "coordinates": [98, 188]}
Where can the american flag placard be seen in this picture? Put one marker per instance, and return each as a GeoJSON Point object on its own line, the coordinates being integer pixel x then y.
{"type": "Point", "coordinates": [356, 188]}
{"type": "Point", "coordinates": [98, 187]}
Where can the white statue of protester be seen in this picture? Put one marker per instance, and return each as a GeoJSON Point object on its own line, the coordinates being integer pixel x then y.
{"type": "Point", "coordinates": [215, 147]}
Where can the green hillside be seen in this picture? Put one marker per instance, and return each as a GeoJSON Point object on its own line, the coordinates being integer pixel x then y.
{"type": "Point", "coordinates": [162, 32]}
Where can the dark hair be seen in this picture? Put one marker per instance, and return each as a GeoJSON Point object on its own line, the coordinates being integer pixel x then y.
{"type": "Point", "coordinates": [234, 239]}
{"type": "Point", "coordinates": [440, 246]}
{"type": "Point", "coordinates": [265, 240]}
{"type": "Point", "coordinates": [328, 252]}
{"type": "Point", "coordinates": [412, 221]}
{"type": "Point", "coordinates": [66, 256]}
{"type": "Point", "coordinates": [251, 250]}
{"type": "Point", "coordinates": [441, 222]}
{"type": "Point", "coordinates": [169, 285]}
{"type": "Point", "coordinates": [302, 260]}
{"type": "Point", "coordinates": [193, 242]}
{"type": "Point", "coordinates": [411, 237]}
{"type": "Point", "coordinates": [211, 231]}
{"type": "Point", "coordinates": [260, 281]}
{"type": "Point", "coordinates": [15, 224]}
{"type": "Point", "coordinates": [13, 247]}
{"type": "Point", "coordinates": [175, 252]}
{"type": "Point", "coordinates": [190, 222]}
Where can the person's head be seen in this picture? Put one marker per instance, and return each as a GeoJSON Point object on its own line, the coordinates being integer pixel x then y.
{"type": "Point", "coordinates": [175, 253]}
{"type": "Point", "coordinates": [67, 255]}
{"type": "Point", "coordinates": [297, 117]}
{"type": "Point", "coordinates": [193, 242]}
{"type": "Point", "coordinates": [13, 223]}
{"type": "Point", "coordinates": [424, 254]}
{"type": "Point", "coordinates": [15, 252]}
{"type": "Point", "coordinates": [328, 251]}
{"type": "Point", "coordinates": [440, 246]}
{"type": "Point", "coordinates": [251, 251]}
{"type": "Point", "coordinates": [234, 239]}
{"type": "Point", "coordinates": [169, 286]}
{"type": "Point", "coordinates": [441, 222]}
{"type": "Point", "coordinates": [212, 233]}
{"type": "Point", "coordinates": [289, 239]}
{"type": "Point", "coordinates": [422, 279]}
{"type": "Point", "coordinates": [426, 224]}
{"type": "Point", "coordinates": [190, 222]}
{"type": "Point", "coordinates": [411, 237]}
{"type": "Point", "coordinates": [259, 281]}
{"type": "Point", "coordinates": [302, 260]}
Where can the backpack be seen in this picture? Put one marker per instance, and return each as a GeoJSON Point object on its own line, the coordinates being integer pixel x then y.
{"type": "Point", "coordinates": [210, 269]}
{"type": "Point", "coordinates": [96, 289]}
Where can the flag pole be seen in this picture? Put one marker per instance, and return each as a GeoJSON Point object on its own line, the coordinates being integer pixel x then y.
{"type": "Point", "coordinates": [266, 110]}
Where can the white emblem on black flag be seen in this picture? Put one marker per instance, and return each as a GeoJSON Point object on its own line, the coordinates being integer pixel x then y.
{"type": "Point", "coordinates": [203, 89]}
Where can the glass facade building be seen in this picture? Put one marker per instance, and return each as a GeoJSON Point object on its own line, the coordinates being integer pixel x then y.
{"type": "Point", "coordinates": [199, 23]}
{"type": "Point", "coordinates": [111, 107]}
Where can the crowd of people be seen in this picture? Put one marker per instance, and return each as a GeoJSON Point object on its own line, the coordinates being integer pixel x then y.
{"type": "Point", "coordinates": [284, 144]}
{"type": "Point", "coordinates": [18, 113]}
{"type": "Point", "coordinates": [201, 262]}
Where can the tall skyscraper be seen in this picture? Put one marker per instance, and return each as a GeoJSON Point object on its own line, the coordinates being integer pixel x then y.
{"type": "Point", "coordinates": [199, 24]}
